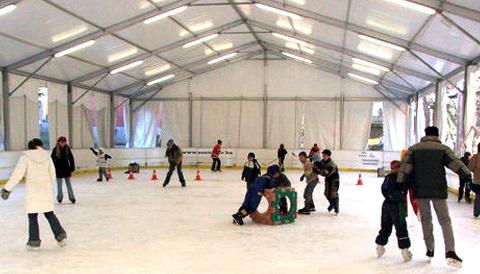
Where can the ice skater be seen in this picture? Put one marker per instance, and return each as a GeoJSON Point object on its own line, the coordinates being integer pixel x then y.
{"type": "Point", "coordinates": [175, 157]}
{"type": "Point", "coordinates": [426, 162]}
{"type": "Point", "coordinates": [217, 150]}
{"type": "Point", "coordinates": [37, 167]}
{"type": "Point", "coordinates": [254, 194]}
{"type": "Point", "coordinates": [281, 153]}
{"type": "Point", "coordinates": [314, 154]}
{"type": "Point", "coordinates": [251, 169]}
{"type": "Point", "coordinates": [312, 181]}
{"type": "Point", "coordinates": [393, 214]}
{"type": "Point", "coordinates": [329, 170]}
{"type": "Point", "coordinates": [64, 162]}
{"type": "Point", "coordinates": [474, 166]}
{"type": "Point", "coordinates": [465, 185]}
{"type": "Point", "coordinates": [102, 163]}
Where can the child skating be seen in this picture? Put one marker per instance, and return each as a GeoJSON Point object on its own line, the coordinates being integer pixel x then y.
{"type": "Point", "coordinates": [281, 154]}
{"type": "Point", "coordinates": [102, 163]}
{"type": "Point", "coordinates": [216, 151]}
{"type": "Point", "coordinates": [254, 194]}
{"type": "Point", "coordinates": [251, 170]}
{"type": "Point", "coordinates": [329, 170]}
{"type": "Point", "coordinates": [393, 214]}
{"type": "Point", "coordinates": [37, 167]}
{"type": "Point", "coordinates": [312, 181]}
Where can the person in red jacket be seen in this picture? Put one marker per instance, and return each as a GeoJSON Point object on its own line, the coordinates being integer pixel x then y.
{"type": "Point", "coordinates": [217, 149]}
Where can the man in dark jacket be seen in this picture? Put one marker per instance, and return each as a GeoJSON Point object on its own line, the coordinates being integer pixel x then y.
{"type": "Point", "coordinates": [281, 153]}
{"type": "Point", "coordinates": [329, 170]}
{"type": "Point", "coordinates": [464, 185]}
{"type": "Point", "coordinates": [175, 157]}
{"type": "Point", "coordinates": [426, 162]}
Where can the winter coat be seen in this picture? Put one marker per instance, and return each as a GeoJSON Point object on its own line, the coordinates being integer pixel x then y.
{"type": "Point", "coordinates": [308, 172]}
{"type": "Point", "coordinates": [313, 150]}
{"type": "Point", "coordinates": [393, 191]}
{"type": "Point", "coordinates": [426, 162]}
{"type": "Point", "coordinates": [281, 153]}
{"type": "Point", "coordinates": [474, 166]}
{"type": "Point", "coordinates": [283, 181]}
{"type": "Point", "coordinates": [174, 154]}
{"type": "Point", "coordinates": [102, 159]}
{"type": "Point", "coordinates": [251, 170]}
{"type": "Point", "coordinates": [38, 169]}
{"type": "Point", "coordinates": [329, 170]}
{"type": "Point", "coordinates": [65, 164]}
{"type": "Point", "coordinates": [217, 149]}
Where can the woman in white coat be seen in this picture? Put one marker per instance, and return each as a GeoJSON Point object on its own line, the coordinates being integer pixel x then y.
{"type": "Point", "coordinates": [37, 167]}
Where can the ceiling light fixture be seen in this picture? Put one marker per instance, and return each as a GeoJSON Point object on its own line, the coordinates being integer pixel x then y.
{"type": "Point", "coordinates": [363, 79]}
{"type": "Point", "coordinates": [162, 79]}
{"type": "Point", "coordinates": [127, 67]}
{"type": "Point", "coordinates": [370, 64]}
{"type": "Point", "coordinates": [75, 48]}
{"type": "Point", "coordinates": [380, 42]}
{"type": "Point", "coordinates": [157, 70]}
{"type": "Point", "coordinates": [201, 40]}
{"type": "Point", "coordinates": [223, 58]}
{"type": "Point", "coordinates": [7, 9]}
{"type": "Point", "coordinates": [413, 6]}
{"type": "Point", "coordinates": [165, 14]}
{"type": "Point", "coordinates": [308, 61]}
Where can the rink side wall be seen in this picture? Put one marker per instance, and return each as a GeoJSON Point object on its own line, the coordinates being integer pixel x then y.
{"type": "Point", "coordinates": [347, 160]}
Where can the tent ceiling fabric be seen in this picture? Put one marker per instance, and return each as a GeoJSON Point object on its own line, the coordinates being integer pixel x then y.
{"type": "Point", "coordinates": [334, 34]}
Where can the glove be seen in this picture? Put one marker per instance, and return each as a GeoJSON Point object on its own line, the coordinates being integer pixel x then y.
{"type": "Point", "coordinates": [301, 178]}
{"type": "Point", "coordinates": [5, 194]}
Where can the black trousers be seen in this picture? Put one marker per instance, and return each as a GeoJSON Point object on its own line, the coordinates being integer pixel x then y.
{"type": "Point", "coordinates": [34, 232]}
{"type": "Point", "coordinates": [281, 163]}
{"type": "Point", "coordinates": [217, 164]}
{"type": "Point", "coordinates": [171, 169]}
{"type": "Point", "coordinates": [464, 189]}
{"type": "Point", "coordinates": [331, 193]}
{"type": "Point", "coordinates": [393, 215]}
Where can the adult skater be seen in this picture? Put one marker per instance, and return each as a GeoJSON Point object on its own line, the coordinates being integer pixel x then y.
{"type": "Point", "coordinates": [329, 170]}
{"type": "Point", "coordinates": [426, 161]}
{"type": "Point", "coordinates": [465, 185]}
{"type": "Point", "coordinates": [281, 154]}
{"type": "Point", "coordinates": [393, 214]}
{"type": "Point", "coordinates": [37, 167]}
{"type": "Point", "coordinates": [102, 163]}
{"type": "Point", "coordinates": [475, 184]}
{"type": "Point", "coordinates": [217, 150]}
{"type": "Point", "coordinates": [254, 194]}
{"type": "Point", "coordinates": [312, 181]}
{"type": "Point", "coordinates": [251, 170]}
{"type": "Point", "coordinates": [175, 157]}
{"type": "Point", "coordinates": [64, 162]}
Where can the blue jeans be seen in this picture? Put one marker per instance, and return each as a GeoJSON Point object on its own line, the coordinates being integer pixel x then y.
{"type": "Point", "coordinates": [34, 232]}
{"type": "Point", "coordinates": [71, 196]}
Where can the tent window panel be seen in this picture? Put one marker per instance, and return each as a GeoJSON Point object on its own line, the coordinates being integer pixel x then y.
{"type": "Point", "coordinates": [376, 138]}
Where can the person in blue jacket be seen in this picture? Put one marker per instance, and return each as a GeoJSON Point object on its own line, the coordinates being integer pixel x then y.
{"type": "Point", "coordinates": [254, 193]}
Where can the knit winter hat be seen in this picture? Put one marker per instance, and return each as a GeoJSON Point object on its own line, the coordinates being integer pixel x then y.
{"type": "Point", "coordinates": [272, 170]}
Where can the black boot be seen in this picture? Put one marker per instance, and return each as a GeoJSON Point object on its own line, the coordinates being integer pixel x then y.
{"type": "Point", "coordinates": [430, 254]}
{"type": "Point", "coordinates": [165, 184]}
{"type": "Point", "coordinates": [73, 201]}
{"type": "Point", "coordinates": [237, 219]}
{"type": "Point", "coordinates": [453, 259]}
{"type": "Point", "coordinates": [305, 211]}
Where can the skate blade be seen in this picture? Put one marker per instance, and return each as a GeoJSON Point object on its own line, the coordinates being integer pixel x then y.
{"type": "Point", "coordinates": [454, 263]}
{"type": "Point", "coordinates": [33, 249]}
{"type": "Point", "coordinates": [62, 243]}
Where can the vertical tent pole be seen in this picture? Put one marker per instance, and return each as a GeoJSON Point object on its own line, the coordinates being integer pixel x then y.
{"type": "Point", "coordinates": [130, 123]}
{"type": "Point", "coordinates": [190, 117]}
{"type": "Point", "coordinates": [112, 120]}
{"type": "Point", "coordinates": [265, 99]}
{"type": "Point", "coordinates": [70, 112]}
{"type": "Point", "coordinates": [6, 109]}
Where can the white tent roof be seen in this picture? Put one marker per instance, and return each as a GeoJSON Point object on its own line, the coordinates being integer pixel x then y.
{"type": "Point", "coordinates": [418, 45]}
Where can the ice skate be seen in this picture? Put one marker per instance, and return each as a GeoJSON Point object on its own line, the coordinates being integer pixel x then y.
{"type": "Point", "coordinates": [99, 180]}
{"type": "Point", "coordinates": [62, 240]}
{"type": "Point", "coordinates": [237, 219]}
{"type": "Point", "coordinates": [453, 259]}
{"type": "Point", "coordinates": [304, 211]}
{"type": "Point", "coordinates": [165, 184]}
{"type": "Point", "coordinates": [406, 254]}
{"type": "Point", "coordinates": [73, 201]}
{"type": "Point", "coordinates": [33, 245]}
{"type": "Point", "coordinates": [430, 254]}
{"type": "Point", "coordinates": [380, 251]}
{"type": "Point", "coordinates": [330, 208]}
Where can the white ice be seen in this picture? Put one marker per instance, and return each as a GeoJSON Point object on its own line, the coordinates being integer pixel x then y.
{"type": "Point", "coordinates": [140, 227]}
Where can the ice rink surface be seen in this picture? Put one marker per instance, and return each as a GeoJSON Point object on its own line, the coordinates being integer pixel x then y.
{"type": "Point", "coordinates": [139, 227]}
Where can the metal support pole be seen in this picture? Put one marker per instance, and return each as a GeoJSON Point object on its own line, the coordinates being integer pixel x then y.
{"type": "Point", "coordinates": [90, 88]}
{"type": "Point", "coordinates": [70, 112]}
{"type": "Point", "coordinates": [462, 120]}
{"type": "Point", "coordinates": [265, 98]}
{"type": "Point", "coordinates": [112, 121]}
{"type": "Point", "coordinates": [415, 120]}
{"type": "Point", "coordinates": [130, 123]}
{"type": "Point", "coordinates": [436, 107]}
{"type": "Point", "coordinates": [342, 107]}
{"type": "Point", "coordinates": [6, 109]}
{"type": "Point", "coordinates": [190, 117]}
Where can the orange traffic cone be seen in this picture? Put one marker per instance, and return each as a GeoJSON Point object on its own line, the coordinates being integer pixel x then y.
{"type": "Point", "coordinates": [359, 181]}
{"type": "Point", "coordinates": [154, 175]}
{"type": "Point", "coordinates": [130, 176]}
{"type": "Point", "coordinates": [109, 174]}
{"type": "Point", "coordinates": [197, 176]}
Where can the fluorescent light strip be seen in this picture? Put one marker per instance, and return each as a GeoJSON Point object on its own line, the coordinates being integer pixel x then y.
{"type": "Point", "coordinates": [165, 14]}
{"type": "Point", "coordinates": [162, 79]}
{"type": "Point", "coordinates": [7, 9]}
{"type": "Point", "coordinates": [121, 55]}
{"type": "Point", "coordinates": [157, 70]}
{"type": "Point", "coordinates": [376, 51]}
{"type": "Point", "coordinates": [413, 6]}
{"type": "Point", "coordinates": [363, 79]}
{"type": "Point", "coordinates": [308, 61]}
{"type": "Point", "coordinates": [75, 48]}
{"type": "Point", "coordinates": [201, 40]}
{"type": "Point", "coordinates": [219, 47]}
{"type": "Point", "coordinates": [369, 64]}
{"type": "Point", "coordinates": [366, 69]}
{"type": "Point", "coordinates": [223, 58]}
{"type": "Point", "coordinates": [196, 27]}
{"type": "Point", "coordinates": [380, 42]}
{"type": "Point", "coordinates": [68, 34]}
{"type": "Point", "coordinates": [127, 67]}
{"type": "Point", "coordinates": [278, 11]}
{"type": "Point", "coordinates": [290, 39]}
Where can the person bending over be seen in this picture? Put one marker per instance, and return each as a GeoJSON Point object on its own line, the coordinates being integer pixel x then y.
{"type": "Point", "coordinates": [255, 192]}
